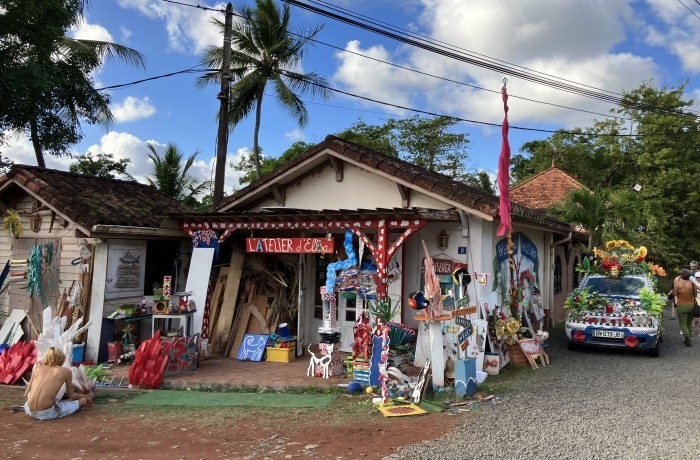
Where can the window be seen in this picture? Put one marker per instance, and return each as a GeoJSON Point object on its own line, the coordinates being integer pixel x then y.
{"type": "Point", "coordinates": [557, 275]}
{"type": "Point", "coordinates": [575, 274]}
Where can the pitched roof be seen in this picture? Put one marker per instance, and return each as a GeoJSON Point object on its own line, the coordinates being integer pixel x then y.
{"type": "Point", "coordinates": [89, 201]}
{"type": "Point", "coordinates": [436, 183]}
{"type": "Point", "coordinates": [544, 189]}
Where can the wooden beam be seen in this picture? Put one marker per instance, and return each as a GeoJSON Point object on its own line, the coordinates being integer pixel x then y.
{"type": "Point", "coordinates": [338, 167]}
{"type": "Point", "coordinates": [279, 194]}
{"type": "Point", "coordinates": [405, 195]}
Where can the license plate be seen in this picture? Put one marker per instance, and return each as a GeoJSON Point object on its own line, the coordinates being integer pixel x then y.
{"type": "Point", "coordinates": [609, 334]}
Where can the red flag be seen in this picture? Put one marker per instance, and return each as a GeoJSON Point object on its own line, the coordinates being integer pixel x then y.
{"type": "Point", "coordinates": [504, 171]}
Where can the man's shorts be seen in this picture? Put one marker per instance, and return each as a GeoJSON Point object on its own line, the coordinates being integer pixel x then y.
{"type": "Point", "coordinates": [58, 410]}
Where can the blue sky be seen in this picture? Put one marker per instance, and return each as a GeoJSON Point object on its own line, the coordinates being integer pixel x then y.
{"type": "Point", "coordinates": [611, 45]}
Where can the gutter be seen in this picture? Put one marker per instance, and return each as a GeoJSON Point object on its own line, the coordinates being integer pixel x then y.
{"type": "Point", "coordinates": [125, 230]}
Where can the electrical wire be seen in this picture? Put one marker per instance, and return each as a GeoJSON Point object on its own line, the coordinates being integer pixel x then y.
{"type": "Point", "coordinates": [489, 65]}
{"type": "Point", "coordinates": [688, 8]}
{"type": "Point", "coordinates": [206, 8]}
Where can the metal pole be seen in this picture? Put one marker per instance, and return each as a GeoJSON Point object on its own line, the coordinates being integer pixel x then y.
{"type": "Point", "coordinates": [223, 96]}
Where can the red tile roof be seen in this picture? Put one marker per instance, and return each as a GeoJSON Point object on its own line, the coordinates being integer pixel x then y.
{"type": "Point", "coordinates": [544, 189]}
{"type": "Point", "coordinates": [89, 200]}
{"type": "Point", "coordinates": [434, 182]}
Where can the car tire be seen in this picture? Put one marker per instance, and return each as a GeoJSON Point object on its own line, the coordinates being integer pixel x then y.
{"type": "Point", "coordinates": [656, 351]}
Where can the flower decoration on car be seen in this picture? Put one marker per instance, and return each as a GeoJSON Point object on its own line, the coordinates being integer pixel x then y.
{"type": "Point", "coordinates": [620, 258]}
{"type": "Point", "coordinates": [585, 300]}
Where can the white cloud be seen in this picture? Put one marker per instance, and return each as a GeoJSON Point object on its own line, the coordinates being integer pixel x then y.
{"type": "Point", "coordinates": [132, 109]}
{"type": "Point", "coordinates": [572, 41]}
{"type": "Point", "coordinates": [295, 135]}
{"type": "Point", "coordinates": [188, 30]}
{"type": "Point", "coordinates": [88, 31]}
{"type": "Point", "coordinates": [124, 145]}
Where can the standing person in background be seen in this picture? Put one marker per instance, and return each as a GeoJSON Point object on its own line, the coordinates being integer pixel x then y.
{"type": "Point", "coordinates": [684, 291]}
{"type": "Point", "coordinates": [693, 278]}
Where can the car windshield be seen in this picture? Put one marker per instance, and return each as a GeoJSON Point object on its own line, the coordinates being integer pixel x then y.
{"type": "Point", "coordinates": [616, 286]}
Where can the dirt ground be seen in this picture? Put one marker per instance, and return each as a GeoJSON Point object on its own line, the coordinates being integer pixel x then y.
{"type": "Point", "coordinates": [348, 429]}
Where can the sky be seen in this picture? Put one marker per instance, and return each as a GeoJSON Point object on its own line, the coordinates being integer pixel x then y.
{"type": "Point", "coordinates": [610, 45]}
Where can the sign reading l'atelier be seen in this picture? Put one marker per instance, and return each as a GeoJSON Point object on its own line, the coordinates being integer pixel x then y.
{"type": "Point", "coordinates": [290, 245]}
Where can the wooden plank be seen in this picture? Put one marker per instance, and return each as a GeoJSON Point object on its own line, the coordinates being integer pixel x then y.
{"type": "Point", "coordinates": [259, 304]}
{"type": "Point", "coordinates": [227, 312]}
{"type": "Point", "coordinates": [217, 297]}
{"type": "Point", "coordinates": [239, 333]}
{"type": "Point", "coordinates": [249, 293]}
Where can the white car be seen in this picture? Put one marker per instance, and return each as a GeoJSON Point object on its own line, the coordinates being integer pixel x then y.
{"type": "Point", "coordinates": [617, 323]}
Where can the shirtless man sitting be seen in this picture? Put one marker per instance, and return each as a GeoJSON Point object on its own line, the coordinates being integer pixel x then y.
{"type": "Point", "coordinates": [44, 386]}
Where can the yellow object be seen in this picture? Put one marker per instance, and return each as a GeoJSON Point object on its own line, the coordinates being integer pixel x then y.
{"type": "Point", "coordinates": [369, 390]}
{"type": "Point", "coordinates": [161, 308]}
{"type": "Point", "coordinates": [401, 410]}
{"type": "Point", "coordinates": [280, 355]}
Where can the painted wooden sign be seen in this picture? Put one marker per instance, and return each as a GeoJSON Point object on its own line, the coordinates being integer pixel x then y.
{"type": "Point", "coordinates": [445, 266]}
{"type": "Point", "coordinates": [290, 245]}
{"type": "Point", "coordinates": [464, 311]}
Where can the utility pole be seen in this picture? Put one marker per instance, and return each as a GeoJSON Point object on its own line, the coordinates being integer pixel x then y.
{"type": "Point", "coordinates": [223, 96]}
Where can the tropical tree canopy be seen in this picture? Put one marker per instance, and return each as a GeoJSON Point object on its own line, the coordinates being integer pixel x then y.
{"type": "Point", "coordinates": [102, 165]}
{"type": "Point", "coordinates": [171, 176]}
{"type": "Point", "coordinates": [266, 49]}
{"type": "Point", "coordinates": [653, 144]}
{"type": "Point", "coordinates": [46, 88]}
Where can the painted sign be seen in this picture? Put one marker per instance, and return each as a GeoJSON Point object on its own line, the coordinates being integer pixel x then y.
{"type": "Point", "coordinates": [466, 311]}
{"type": "Point", "coordinates": [290, 245]}
{"type": "Point", "coordinates": [445, 266]}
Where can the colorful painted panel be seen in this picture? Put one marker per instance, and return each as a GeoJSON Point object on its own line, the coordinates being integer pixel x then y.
{"type": "Point", "coordinates": [252, 347]}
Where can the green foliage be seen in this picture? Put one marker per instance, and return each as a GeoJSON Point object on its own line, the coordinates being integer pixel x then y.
{"type": "Point", "coordinates": [267, 164]}
{"type": "Point", "coordinates": [652, 302]}
{"type": "Point", "coordinates": [661, 156]}
{"type": "Point", "coordinates": [47, 85]}
{"type": "Point", "coordinates": [170, 175]}
{"type": "Point", "coordinates": [584, 300]}
{"type": "Point", "coordinates": [382, 310]}
{"type": "Point", "coordinates": [103, 165]}
{"type": "Point", "coordinates": [96, 372]}
{"type": "Point", "coordinates": [266, 49]}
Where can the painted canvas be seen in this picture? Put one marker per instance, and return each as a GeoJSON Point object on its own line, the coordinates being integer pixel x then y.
{"type": "Point", "coordinates": [252, 347]}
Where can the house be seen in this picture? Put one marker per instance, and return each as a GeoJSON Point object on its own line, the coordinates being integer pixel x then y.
{"type": "Point", "coordinates": [390, 207]}
{"type": "Point", "coordinates": [541, 192]}
{"type": "Point", "coordinates": [103, 242]}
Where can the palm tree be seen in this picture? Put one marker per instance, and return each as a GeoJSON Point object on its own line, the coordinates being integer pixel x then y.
{"type": "Point", "coordinates": [265, 49]}
{"type": "Point", "coordinates": [603, 213]}
{"type": "Point", "coordinates": [170, 175]}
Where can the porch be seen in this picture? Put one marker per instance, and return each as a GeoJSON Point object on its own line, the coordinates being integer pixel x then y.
{"type": "Point", "coordinates": [218, 373]}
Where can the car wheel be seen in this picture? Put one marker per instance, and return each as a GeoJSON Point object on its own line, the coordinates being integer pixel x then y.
{"type": "Point", "coordinates": [656, 351]}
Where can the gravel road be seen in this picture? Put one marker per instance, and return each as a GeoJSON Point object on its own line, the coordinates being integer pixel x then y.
{"type": "Point", "coordinates": [588, 405]}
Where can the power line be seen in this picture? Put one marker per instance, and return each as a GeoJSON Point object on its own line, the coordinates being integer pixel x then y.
{"type": "Point", "coordinates": [688, 8]}
{"type": "Point", "coordinates": [514, 72]}
{"type": "Point", "coordinates": [206, 8]}
{"type": "Point", "coordinates": [484, 123]}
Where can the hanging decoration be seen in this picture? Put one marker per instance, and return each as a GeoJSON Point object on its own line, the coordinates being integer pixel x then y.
{"type": "Point", "coordinates": [12, 224]}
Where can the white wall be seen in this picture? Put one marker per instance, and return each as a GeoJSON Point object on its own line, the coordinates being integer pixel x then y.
{"type": "Point", "coordinates": [360, 189]}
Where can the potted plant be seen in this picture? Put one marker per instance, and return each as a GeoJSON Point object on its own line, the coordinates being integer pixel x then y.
{"type": "Point", "coordinates": [383, 311]}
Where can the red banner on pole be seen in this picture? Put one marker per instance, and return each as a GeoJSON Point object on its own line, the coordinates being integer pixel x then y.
{"type": "Point", "coordinates": [290, 245]}
{"type": "Point", "coordinates": [504, 170]}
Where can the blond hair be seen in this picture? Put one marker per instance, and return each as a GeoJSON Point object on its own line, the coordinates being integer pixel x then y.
{"type": "Point", "coordinates": [54, 357]}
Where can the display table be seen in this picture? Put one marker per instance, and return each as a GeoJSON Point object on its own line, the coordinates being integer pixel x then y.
{"type": "Point", "coordinates": [165, 323]}
{"type": "Point", "coordinates": [112, 331]}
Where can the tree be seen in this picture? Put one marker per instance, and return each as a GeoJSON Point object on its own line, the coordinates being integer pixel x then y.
{"type": "Point", "coordinates": [375, 137]}
{"type": "Point", "coordinates": [482, 181]}
{"type": "Point", "coordinates": [603, 214]}
{"type": "Point", "coordinates": [265, 49]}
{"type": "Point", "coordinates": [428, 143]}
{"type": "Point", "coordinates": [268, 164]}
{"type": "Point", "coordinates": [104, 165]}
{"type": "Point", "coordinates": [170, 175]}
{"type": "Point", "coordinates": [46, 87]}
